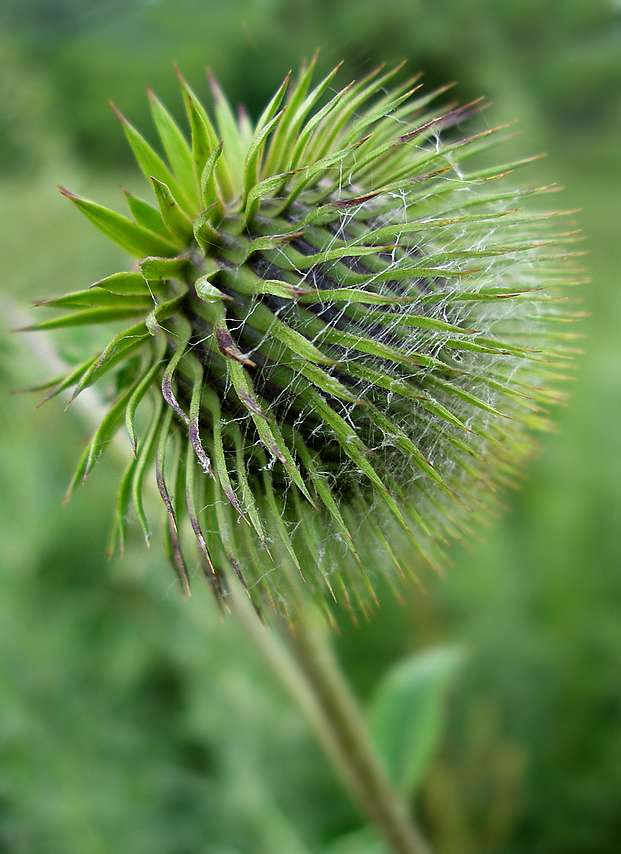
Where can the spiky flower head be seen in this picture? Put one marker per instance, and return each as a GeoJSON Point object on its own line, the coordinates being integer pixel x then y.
{"type": "Point", "coordinates": [339, 340]}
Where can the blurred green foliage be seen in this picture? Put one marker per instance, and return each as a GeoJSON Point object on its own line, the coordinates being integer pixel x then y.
{"type": "Point", "coordinates": [130, 720]}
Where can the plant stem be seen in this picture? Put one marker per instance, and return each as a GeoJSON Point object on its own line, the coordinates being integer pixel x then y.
{"type": "Point", "coordinates": [314, 680]}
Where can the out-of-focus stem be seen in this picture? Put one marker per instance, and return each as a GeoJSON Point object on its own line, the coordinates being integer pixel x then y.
{"type": "Point", "coordinates": [314, 680]}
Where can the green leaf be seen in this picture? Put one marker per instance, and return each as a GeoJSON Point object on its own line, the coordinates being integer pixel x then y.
{"type": "Point", "coordinates": [106, 430]}
{"type": "Point", "coordinates": [247, 496]}
{"type": "Point", "coordinates": [144, 459]}
{"type": "Point", "coordinates": [296, 117]}
{"type": "Point", "coordinates": [163, 268]}
{"type": "Point", "coordinates": [141, 389]}
{"type": "Point", "coordinates": [255, 153]}
{"type": "Point", "coordinates": [133, 238]}
{"type": "Point", "coordinates": [146, 215]}
{"type": "Point", "coordinates": [183, 341]}
{"type": "Point", "coordinates": [171, 538]}
{"type": "Point", "coordinates": [406, 713]}
{"type": "Point", "coordinates": [208, 292]}
{"type": "Point", "coordinates": [190, 500]}
{"type": "Point", "coordinates": [363, 841]}
{"type": "Point", "coordinates": [86, 317]}
{"type": "Point", "coordinates": [119, 525]}
{"type": "Point", "coordinates": [350, 101]}
{"type": "Point", "coordinates": [229, 132]}
{"type": "Point", "coordinates": [162, 312]}
{"type": "Point", "coordinates": [194, 108]}
{"type": "Point", "coordinates": [152, 164]}
{"type": "Point", "coordinates": [117, 350]}
{"type": "Point", "coordinates": [264, 189]}
{"type": "Point", "coordinates": [303, 262]}
{"type": "Point", "coordinates": [221, 469]}
{"type": "Point", "coordinates": [295, 341]}
{"type": "Point", "coordinates": [123, 283]}
{"type": "Point", "coordinates": [270, 111]}
{"type": "Point", "coordinates": [177, 221]}
{"type": "Point", "coordinates": [100, 298]}
{"type": "Point", "coordinates": [303, 152]}
{"type": "Point", "coordinates": [278, 143]}
{"type": "Point", "coordinates": [176, 147]}
{"type": "Point", "coordinates": [194, 423]}
{"type": "Point", "coordinates": [61, 383]}
{"type": "Point", "coordinates": [313, 173]}
{"type": "Point", "coordinates": [210, 190]}
{"type": "Point", "coordinates": [394, 433]}
{"type": "Point", "coordinates": [351, 295]}
{"type": "Point", "coordinates": [245, 127]}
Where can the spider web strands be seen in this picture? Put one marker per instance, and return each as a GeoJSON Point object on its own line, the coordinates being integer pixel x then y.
{"type": "Point", "coordinates": [349, 341]}
{"type": "Point", "coordinates": [232, 548]}
{"type": "Point", "coordinates": [286, 348]}
{"type": "Point", "coordinates": [248, 499]}
{"type": "Point", "coordinates": [333, 418]}
{"type": "Point", "coordinates": [210, 402]}
{"type": "Point", "coordinates": [313, 246]}
{"type": "Point", "coordinates": [391, 384]}
{"type": "Point", "coordinates": [314, 543]}
{"type": "Point", "coordinates": [266, 426]}
{"type": "Point", "coordinates": [395, 110]}
{"type": "Point", "coordinates": [322, 488]}
{"type": "Point", "coordinates": [350, 100]}
{"type": "Point", "coordinates": [397, 165]}
{"type": "Point", "coordinates": [384, 175]}
{"type": "Point", "coordinates": [415, 197]}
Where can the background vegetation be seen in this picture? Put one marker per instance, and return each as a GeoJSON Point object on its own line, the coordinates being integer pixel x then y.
{"type": "Point", "coordinates": [132, 721]}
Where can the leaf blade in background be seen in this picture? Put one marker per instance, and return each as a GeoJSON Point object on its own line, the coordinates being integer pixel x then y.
{"type": "Point", "coordinates": [406, 713]}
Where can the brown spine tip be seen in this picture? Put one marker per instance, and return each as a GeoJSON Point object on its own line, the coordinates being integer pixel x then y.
{"type": "Point", "coordinates": [67, 193]}
{"type": "Point", "coordinates": [119, 114]}
{"type": "Point", "coordinates": [213, 84]}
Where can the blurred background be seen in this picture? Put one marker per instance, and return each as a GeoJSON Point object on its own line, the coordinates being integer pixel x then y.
{"type": "Point", "coordinates": [133, 721]}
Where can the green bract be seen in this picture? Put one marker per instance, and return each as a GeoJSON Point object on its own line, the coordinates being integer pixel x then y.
{"type": "Point", "coordinates": [338, 337]}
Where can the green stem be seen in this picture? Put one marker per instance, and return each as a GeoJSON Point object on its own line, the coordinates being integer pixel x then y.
{"type": "Point", "coordinates": [314, 680]}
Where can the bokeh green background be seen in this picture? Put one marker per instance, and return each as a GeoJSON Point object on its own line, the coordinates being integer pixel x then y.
{"type": "Point", "coordinates": [132, 721]}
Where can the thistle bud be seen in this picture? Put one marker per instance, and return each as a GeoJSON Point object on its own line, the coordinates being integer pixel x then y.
{"type": "Point", "coordinates": [335, 332]}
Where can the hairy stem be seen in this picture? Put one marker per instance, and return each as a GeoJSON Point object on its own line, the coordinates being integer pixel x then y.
{"type": "Point", "coordinates": [314, 680]}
